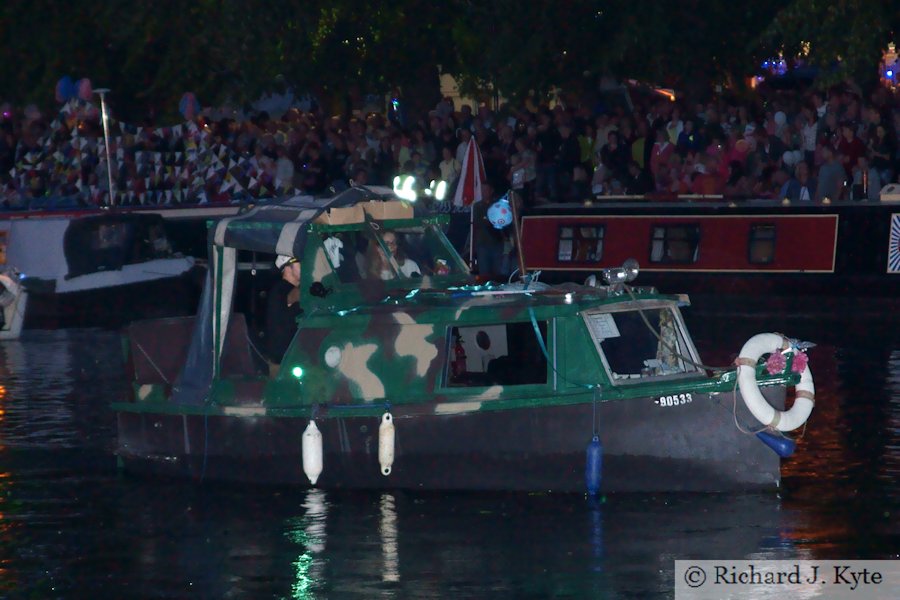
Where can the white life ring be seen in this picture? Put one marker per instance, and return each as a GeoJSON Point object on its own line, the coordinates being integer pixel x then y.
{"type": "Point", "coordinates": [765, 343]}
{"type": "Point", "coordinates": [9, 290]}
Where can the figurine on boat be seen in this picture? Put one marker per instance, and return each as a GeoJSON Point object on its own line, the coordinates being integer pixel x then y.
{"type": "Point", "coordinates": [421, 379]}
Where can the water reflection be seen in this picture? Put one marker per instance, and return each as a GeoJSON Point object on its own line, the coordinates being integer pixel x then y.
{"type": "Point", "coordinates": [890, 471]}
{"type": "Point", "coordinates": [69, 526]}
{"type": "Point", "coordinates": [308, 532]}
{"type": "Point", "coordinates": [57, 385]}
{"type": "Point", "coordinates": [388, 531]}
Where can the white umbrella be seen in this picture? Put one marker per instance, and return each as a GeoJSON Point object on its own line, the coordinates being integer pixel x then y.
{"type": "Point", "coordinates": [468, 190]}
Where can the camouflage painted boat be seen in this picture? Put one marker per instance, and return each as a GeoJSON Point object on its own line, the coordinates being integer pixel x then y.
{"type": "Point", "coordinates": [424, 380]}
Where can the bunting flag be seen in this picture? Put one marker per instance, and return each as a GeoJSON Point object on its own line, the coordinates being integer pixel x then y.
{"type": "Point", "coordinates": [471, 178]}
{"type": "Point", "coordinates": [176, 176]}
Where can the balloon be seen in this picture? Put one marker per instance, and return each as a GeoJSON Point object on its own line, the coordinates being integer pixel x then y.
{"type": "Point", "coordinates": [84, 89]}
{"type": "Point", "coordinates": [189, 107]}
{"type": "Point", "coordinates": [780, 118]}
{"type": "Point", "coordinates": [65, 89]}
{"type": "Point", "coordinates": [500, 213]}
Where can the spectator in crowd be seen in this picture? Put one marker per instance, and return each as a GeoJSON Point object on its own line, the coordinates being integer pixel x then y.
{"type": "Point", "coordinates": [659, 156]}
{"type": "Point", "coordinates": [831, 176]}
{"type": "Point", "coordinates": [522, 173]}
{"type": "Point", "coordinates": [450, 167]}
{"type": "Point", "coordinates": [880, 152]}
{"type": "Point", "coordinates": [547, 147]}
{"type": "Point", "coordinates": [489, 241]}
{"type": "Point", "coordinates": [638, 182]}
{"type": "Point", "coordinates": [866, 181]}
{"type": "Point", "coordinates": [615, 156]}
{"type": "Point", "coordinates": [849, 147]}
{"type": "Point", "coordinates": [223, 156]}
{"type": "Point", "coordinates": [801, 187]}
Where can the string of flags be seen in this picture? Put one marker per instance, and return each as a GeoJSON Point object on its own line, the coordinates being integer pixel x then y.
{"type": "Point", "coordinates": [193, 168]}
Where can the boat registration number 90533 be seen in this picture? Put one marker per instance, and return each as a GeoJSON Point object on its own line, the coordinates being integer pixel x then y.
{"type": "Point", "coordinates": [674, 400]}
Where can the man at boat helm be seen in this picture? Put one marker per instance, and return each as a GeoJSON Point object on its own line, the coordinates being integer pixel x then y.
{"type": "Point", "coordinates": [283, 308]}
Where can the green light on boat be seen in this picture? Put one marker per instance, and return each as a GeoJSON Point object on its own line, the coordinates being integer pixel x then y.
{"type": "Point", "coordinates": [297, 372]}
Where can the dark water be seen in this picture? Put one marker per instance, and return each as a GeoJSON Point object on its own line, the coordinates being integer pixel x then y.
{"type": "Point", "coordinates": [72, 527]}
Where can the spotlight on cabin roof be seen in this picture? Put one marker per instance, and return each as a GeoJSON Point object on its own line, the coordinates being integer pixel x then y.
{"type": "Point", "coordinates": [627, 273]}
{"type": "Point", "coordinates": [404, 187]}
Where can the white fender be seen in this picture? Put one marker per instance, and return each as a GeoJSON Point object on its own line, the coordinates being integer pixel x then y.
{"type": "Point", "coordinates": [312, 452]}
{"type": "Point", "coordinates": [386, 443]}
{"type": "Point", "coordinates": [755, 347]}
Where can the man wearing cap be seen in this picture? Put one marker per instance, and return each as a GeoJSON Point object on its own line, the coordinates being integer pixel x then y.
{"type": "Point", "coordinates": [283, 308]}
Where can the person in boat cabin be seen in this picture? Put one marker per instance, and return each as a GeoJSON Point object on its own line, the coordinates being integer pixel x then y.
{"type": "Point", "coordinates": [283, 308]}
{"type": "Point", "coordinates": [380, 269]}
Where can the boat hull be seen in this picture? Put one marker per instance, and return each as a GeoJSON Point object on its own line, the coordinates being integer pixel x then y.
{"type": "Point", "coordinates": [646, 447]}
{"type": "Point", "coordinates": [116, 305]}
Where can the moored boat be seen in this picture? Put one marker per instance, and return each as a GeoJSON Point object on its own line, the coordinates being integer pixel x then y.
{"type": "Point", "coordinates": [79, 266]}
{"type": "Point", "coordinates": [417, 378]}
{"type": "Point", "coordinates": [766, 252]}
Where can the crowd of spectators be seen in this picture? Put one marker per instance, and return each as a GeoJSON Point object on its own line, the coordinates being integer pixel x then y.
{"type": "Point", "coordinates": [804, 146]}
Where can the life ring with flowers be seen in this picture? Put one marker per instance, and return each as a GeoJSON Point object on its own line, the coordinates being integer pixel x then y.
{"type": "Point", "coordinates": [805, 392]}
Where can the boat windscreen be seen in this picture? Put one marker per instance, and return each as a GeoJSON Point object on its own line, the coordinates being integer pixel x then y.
{"type": "Point", "coordinates": [632, 350]}
{"type": "Point", "coordinates": [406, 253]}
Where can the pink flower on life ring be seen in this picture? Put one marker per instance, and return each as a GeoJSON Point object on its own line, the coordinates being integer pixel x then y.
{"type": "Point", "coordinates": [800, 362]}
{"type": "Point", "coordinates": [776, 363]}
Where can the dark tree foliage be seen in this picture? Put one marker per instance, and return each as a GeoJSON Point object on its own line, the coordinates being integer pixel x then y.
{"type": "Point", "coordinates": [150, 53]}
{"type": "Point", "coordinates": [846, 37]}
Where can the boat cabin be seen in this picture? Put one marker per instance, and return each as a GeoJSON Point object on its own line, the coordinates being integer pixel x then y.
{"type": "Point", "coordinates": [390, 313]}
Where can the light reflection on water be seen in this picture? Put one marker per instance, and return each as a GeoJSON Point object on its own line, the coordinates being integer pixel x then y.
{"type": "Point", "coordinates": [71, 527]}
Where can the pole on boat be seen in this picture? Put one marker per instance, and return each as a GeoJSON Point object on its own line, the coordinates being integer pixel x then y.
{"type": "Point", "coordinates": [517, 235]}
{"type": "Point", "coordinates": [472, 235]}
{"type": "Point", "coordinates": [105, 117]}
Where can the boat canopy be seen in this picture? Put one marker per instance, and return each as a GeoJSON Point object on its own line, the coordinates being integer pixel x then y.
{"type": "Point", "coordinates": [272, 228]}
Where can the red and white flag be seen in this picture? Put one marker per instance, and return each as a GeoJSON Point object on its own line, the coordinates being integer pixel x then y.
{"type": "Point", "coordinates": [471, 178]}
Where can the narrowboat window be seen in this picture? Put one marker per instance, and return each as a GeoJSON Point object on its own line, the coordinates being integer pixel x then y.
{"type": "Point", "coordinates": [762, 244]}
{"type": "Point", "coordinates": [580, 244]}
{"type": "Point", "coordinates": [488, 355]}
{"type": "Point", "coordinates": [675, 244]}
{"type": "Point", "coordinates": [633, 351]}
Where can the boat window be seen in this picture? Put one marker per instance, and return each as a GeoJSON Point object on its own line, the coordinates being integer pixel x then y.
{"type": "Point", "coordinates": [675, 244]}
{"type": "Point", "coordinates": [580, 244]}
{"type": "Point", "coordinates": [111, 242]}
{"type": "Point", "coordinates": [761, 244]}
{"type": "Point", "coordinates": [109, 235]}
{"type": "Point", "coordinates": [499, 354]}
{"type": "Point", "coordinates": [415, 252]}
{"type": "Point", "coordinates": [346, 252]}
{"type": "Point", "coordinates": [634, 349]}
